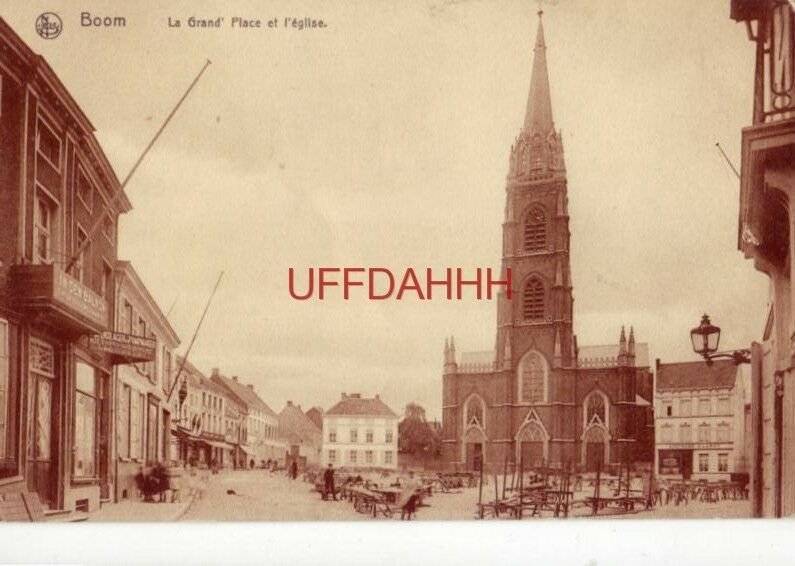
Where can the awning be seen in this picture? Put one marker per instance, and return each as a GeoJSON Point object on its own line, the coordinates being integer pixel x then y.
{"type": "Point", "coordinates": [214, 443]}
{"type": "Point", "coordinates": [247, 450]}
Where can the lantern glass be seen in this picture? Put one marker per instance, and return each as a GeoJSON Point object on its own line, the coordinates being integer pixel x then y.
{"type": "Point", "coordinates": [705, 337]}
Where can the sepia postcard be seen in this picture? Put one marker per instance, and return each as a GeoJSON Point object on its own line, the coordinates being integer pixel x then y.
{"type": "Point", "coordinates": [318, 261]}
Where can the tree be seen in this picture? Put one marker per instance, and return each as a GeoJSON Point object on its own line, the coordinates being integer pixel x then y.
{"type": "Point", "coordinates": [416, 435]}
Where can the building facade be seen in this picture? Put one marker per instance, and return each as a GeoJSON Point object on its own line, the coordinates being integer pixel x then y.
{"type": "Point", "coordinates": [360, 433]}
{"type": "Point", "coordinates": [767, 210]}
{"type": "Point", "coordinates": [302, 437]}
{"type": "Point", "coordinates": [262, 424]}
{"type": "Point", "coordinates": [142, 427]}
{"type": "Point", "coordinates": [538, 396]}
{"type": "Point", "coordinates": [60, 202]}
{"type": "Point", "coordinates": [700, 420]}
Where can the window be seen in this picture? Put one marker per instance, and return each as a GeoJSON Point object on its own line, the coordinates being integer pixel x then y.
{"type": "Point", "coordinates": [152, 433]}
{"type": "Point", "coordinates": [332, 436]}
{"type": "Point", "coordinates": [723, 433]}
{"type": "Point", "coordinates": [85, 192]}
{"type": "Point", "coordinates": [388, 457]}
{"type": "Point", "coordinates": [368, 437]}
{"type": "Point", "coordinates": [354, 435]}
{"type": "Point", "coordinates": [595, 408]}
{"type": "Point", "coordinates": [388, 438]}
{"type": "Point", "coordinates": [142, 332]}
{"type": "Point", "coordinates": [5, 449]}
{"type": "Point", "coordinates": [723, 406]}
{"type": "Point", "coordinates": [685, 407]}
{"type": "Point", "coordinates": [125, 318]}
{"type": "Point", "coordinates": [106, 284]}
{"type": "Point", "coordinates": [704, 407]}
{"type": "Point", "coordinates": [533, 307]}
{"type": "Point", "coordinates": [137, 408]}
{"type": "Point", "coordinates": [665, 433]}
{"type": "Point", "coordinates": [80, 271]}
{"type": "Point", "coordinates": [352, 456]}
{"type": "Point", "coordinates": [685, 434]}
{"type": "Point", "coordinates": [107, 228]}
{"type": "Point", "coordinates": [704, 433]}
{"type": "Point", "coordinates": [42, 368]}
{"type": "Point", "coordinates": [123, 428]}
{"type": "Point", "coordinates": [703, 462]}
{"type": "Point", "coordinates": [532, 378]}
{"type": "Point", "coordinates": [474, 412]}
{"type": "Point", "coordinates": [368, 457]}
{"type": "Point", "coordinates": [43, 231]}
{"type": "Point", "coordinates": [48, 145]}
{"type": "Point", "coordinates": [535, 230]}
{"type": "Point", "coordinates": [668, 409]}
{"type": "Point", "coordinates": [332, 455]}
{"type": "Point", "coordinates": [84, 462]}
{"type": "Point", "coordinates": [723, 462]}
{"type": "Point", "coordinates": [166, 369]}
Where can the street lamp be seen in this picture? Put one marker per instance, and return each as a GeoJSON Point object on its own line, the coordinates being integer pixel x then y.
{"type": "Point", "coordinates": [706, 337]}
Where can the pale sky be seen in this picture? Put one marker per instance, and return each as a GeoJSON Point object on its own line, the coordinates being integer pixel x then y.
{"type": "Point", "coordinates": [383, 140]}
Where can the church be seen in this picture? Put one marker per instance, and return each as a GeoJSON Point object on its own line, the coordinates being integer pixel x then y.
{"type": "Point", "coordinates": [539, 398]}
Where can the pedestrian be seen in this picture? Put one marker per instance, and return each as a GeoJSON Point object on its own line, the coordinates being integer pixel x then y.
{"type": "Point", "coordinates": [294, 469]}
{"type": "Point", "coordinates": [251, 463]}
{"type": "Point", "coordinates": [328, 483]}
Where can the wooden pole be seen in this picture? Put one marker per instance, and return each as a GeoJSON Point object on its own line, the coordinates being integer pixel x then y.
{"type": "Point", "coordinates": [504, 475]}
{"type": "Point", "coordinates": [496, 494]}
{"type": "Point", "coordinates": [596, 486]}
{"type": "Point", "coordinates": [480, 490]}
{"type": "Point", "coordinates": [521, 485]}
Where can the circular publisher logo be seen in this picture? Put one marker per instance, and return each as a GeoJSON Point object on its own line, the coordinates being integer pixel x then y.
{"type": "Point", "coordinates": [49, 25]}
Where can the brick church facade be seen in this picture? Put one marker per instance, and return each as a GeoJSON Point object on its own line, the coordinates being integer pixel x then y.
{"type": "Point", "coordinates": [538, 397]}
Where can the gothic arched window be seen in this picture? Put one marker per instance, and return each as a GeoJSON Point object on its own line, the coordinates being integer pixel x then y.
{"type": "Point", "coordinates": [533, 306]}
{"type": "Point", "coordinates": [475, 411]}
{"type": "Point", "coordinates": [532, 378]}
{"type": "Point", "coordinates": [595, 407]}
{"type": "Point", "coordinates": [535, 230]}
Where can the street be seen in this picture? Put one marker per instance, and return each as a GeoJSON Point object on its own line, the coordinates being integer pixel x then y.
{"type": "Point", "coordinates": [261, 496]}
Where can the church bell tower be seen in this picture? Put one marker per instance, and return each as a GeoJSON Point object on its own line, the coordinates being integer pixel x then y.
{"type": "Point", "coordinates": [538, 317]}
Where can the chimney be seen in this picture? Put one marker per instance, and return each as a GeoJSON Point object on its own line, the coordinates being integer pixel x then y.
{"type": "Point", "coordinates": [250, 386]}
{"type": "Point", "coordinates": [299, 407]}
{"type": "Point", "coordinates": [356, 395]}
{"type": "Point", "coordinates": [234, 378]}
{"type": "Point", "coordinates": [344, 396]}
{"type": "Point", "coordinates": [290, 404]}
{"type": "Point", "coordinates": [215, 372]}
{"type": "Point", "coordinates": [377, 397]}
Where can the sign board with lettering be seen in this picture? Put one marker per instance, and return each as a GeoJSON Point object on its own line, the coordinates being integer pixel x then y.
{"type": "Point", "coordinates": [124, 348]}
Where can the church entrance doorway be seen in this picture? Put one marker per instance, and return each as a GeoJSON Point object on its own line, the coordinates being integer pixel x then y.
{"type": "Point", "coordinates": [474, 440]}
{"type": "Point", "coordinates": [532, 454]}
{"type": "Point", "coordinates": [595, 449]}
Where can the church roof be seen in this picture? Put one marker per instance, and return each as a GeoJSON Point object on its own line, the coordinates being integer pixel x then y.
{"type": "Point", "coordinates": [481, 357]}
{"type": "Point", "coordinates": [539, 104]}
{"type": "Point", "coordinates": [607, 355]}
{"type": "Point", "coordinates": [355, 404]}
{"type": "Point", "coordinates": [696, 375]}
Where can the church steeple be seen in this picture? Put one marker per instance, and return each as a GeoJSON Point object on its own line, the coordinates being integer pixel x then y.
{"type": "Point", "coordinates": [538, 151]}
{"type": "Point", "coordinates": [538, 117]}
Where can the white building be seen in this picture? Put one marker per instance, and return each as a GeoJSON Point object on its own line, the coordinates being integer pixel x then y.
{"type": "Point", "coordinates": [360, 433]}
{"type": "Point", "coordinates": [699, 420]}
{"type": "Point", "coordinates": [143, 412]}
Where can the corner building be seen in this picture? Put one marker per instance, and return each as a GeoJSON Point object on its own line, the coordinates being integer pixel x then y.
{"type": "Point", "coordinates": [537, 397]}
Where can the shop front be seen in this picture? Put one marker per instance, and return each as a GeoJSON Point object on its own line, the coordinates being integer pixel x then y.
{"type": "Point", "coordinates": [676, 463]}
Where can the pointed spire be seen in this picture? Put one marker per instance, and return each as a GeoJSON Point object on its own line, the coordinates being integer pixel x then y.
{"type": "Point", "coordinates": [539, 105]}
{"type": "Point", "coordinates": [622, 347]}
{"type": "Point", "coordinates": [446, 352]}
{"type": "Point", "coordinates": [631, 347]}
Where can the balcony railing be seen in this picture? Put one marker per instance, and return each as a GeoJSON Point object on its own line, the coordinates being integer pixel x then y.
{"type": "Point", "coordinates": [771, 24]}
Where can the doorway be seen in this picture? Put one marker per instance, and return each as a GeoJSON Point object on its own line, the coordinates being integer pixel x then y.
{"type": "Point", "coordinates": [41, 435]}
{"type": "Point", "coordinates": [474, 455]}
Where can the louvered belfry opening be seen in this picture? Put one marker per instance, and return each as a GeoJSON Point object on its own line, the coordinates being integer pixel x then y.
{"type": "Point", "coordinates": [535, 231]}
{"type": "Point", "coordinates": [534, 300]}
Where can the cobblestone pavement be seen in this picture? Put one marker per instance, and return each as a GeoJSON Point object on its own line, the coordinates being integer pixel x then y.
{"type": "Point", "coordinates": [138, 511]}
{"type": "Point", "coordinates": [261, 496]}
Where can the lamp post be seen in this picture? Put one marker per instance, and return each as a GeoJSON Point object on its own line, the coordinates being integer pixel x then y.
{"type": "Point", "coordinates": [706, 337]}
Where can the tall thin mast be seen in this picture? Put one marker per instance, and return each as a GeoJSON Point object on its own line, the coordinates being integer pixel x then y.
{"type": "Point", "coordinates": [120, 190]}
